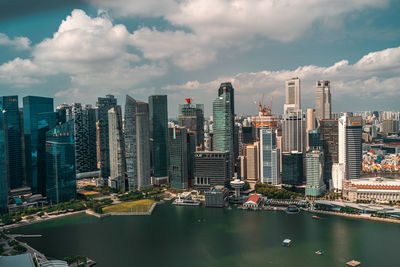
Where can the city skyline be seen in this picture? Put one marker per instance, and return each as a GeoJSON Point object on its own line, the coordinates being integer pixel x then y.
{"type": "Point", "coordinates": [349, 54]}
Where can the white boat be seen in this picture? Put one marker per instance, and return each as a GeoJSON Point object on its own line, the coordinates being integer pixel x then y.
{"type": "Point", "coordinates": [286, 242]}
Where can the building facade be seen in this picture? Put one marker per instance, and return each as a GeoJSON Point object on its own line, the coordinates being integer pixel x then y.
{"type": "Point", "coordinates": [191, 116]}
{"type": "Point", "coordinates": [143, 144]}
{"type": "Point", "coordinates": [269, 157]}
{"type": "Point", "coordinates": [292, 168]}
{"type": "Point", "coordinates": [60, 164]}
{"type": "Point", "coordinates": [39, 117]}
{"type": "Point", "coordinates": [315, 184]}
{"type": "Point", "coordinates": [292, 90]}
{"type": "Point", "coordinates": [117, 154]}
{"type": "Point", "coordinates": [376, 189]}
{"type": "Point", "coordinates": [223, 126]}
{"type": "Point", "coordinates": [3, 174]}
{"type": "Point", "coordinates": [293, 131]}
{"type": "Point", "coordinates": [12, 141]}
{"type": "Point", "coordinates": [104, 104]}
{"type": "Point", "coordinates": [178, 158]}
{"type": "Point", "coordinates": [323, 100]}
{"type": "Point", "coordinates": [330, 144]}
{"type": "Point", "coordinates": [158, 113]}
{"type": "Point", "coordinates": [211, 168]}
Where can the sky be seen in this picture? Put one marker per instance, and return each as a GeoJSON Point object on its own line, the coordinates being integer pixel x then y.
{"type": "Point", "coordinates": [78, 50]}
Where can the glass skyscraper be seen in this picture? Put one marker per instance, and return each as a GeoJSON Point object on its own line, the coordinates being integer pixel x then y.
{"type": "Point", "coordinates": [12, 141]}
{"type": "Point", "coordinates": [223, 126]}
{"type": "Point", "coordinates": [39, 117]}
{"type": "Point", "coordinates": [178, 158]}
{"type": "Point", "coordinates": [117, 149]}
{"type": "Point", "coordinates": [3, 174]}
{"type": "Point", "coordinates": [158, 113]}
{"type": "Point", "coordinates": [137, 143]}
{"type": "Point", "coordinates": [104, 104]}
{"type": "Point", "coordinates": [60, 165]}
{"type": "Point", "coordinates": [292, 168]}
{"type": "Point", "coordinates": [269, 157]}
{"type": "Point", "coordinates": [191, 116]}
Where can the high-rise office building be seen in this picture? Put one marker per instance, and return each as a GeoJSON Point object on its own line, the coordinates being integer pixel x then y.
{"type": "Point", "coordinates": [130, 142]}
{"type": "Point", "coordinates": [84, 117]}
{"type": "Point", "coordinates": [143, 144]}
{"type": "Point", "coordinates": [293, 131]}
{"type": "Point", "coordinates": [330, 140]}
{"type": "Point", "coordinates": [269, 157]}
{"type": "Point", "coordinates": [227, 88]}
{"type": "Point", "coordinates": [310, 122]}
{"type": "Point", "coordinates": [60, 163]}
{"type": "Point", "coordinates": [39, 117]}
{"type": "Point", "coordinates": [350, 146]}
{"type": "Point", "coordinates": [211, 168]}
{"type": "Point", "coordinates": [223, 126]}
{"type": "Point", "coordinates": [253, 162]}
{"type": "Point", "coordinates": [315, 185]}
{"type": "Point", "coordinates": [323, 100]}
{"type": "Point", "coordinates": [292, 168]}
{"type": "Point", "coordinates": [117, 149]}
{"type": "Point", "coordinates": [137, 143]}
{"type": "Point", "coordinates": [178, 157]}
{"type": "Point", "coordinates": [292, 90]}
{"type": "Point", "coordinates": [158, 105]}
{"type": "Point", "coordinates": [3, 174]}
{"type": "Point", "coordinates": [12, 141]}
{"type": "Point", "coordinates": [191, 116]}
{"type": "Point", "coordinates": [104, 104]}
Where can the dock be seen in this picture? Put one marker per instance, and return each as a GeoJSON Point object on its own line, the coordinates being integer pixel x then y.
{"type": "Point", "coordinates": [353, 263]}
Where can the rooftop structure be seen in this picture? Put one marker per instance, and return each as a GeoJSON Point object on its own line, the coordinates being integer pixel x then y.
{"type": "Point", "coordinates": [372, 189]}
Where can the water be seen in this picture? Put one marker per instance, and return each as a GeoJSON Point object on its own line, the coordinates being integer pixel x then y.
{"type": "Point", "coordinates": [198, 236]}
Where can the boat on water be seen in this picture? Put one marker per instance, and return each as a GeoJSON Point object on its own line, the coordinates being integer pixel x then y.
{"type": "Point", "coordinates": [286, 242]}
{"type": "Point", "coordinates": [292, 209]}
{"type": "Point", "coordinates": [315, 217]}
{"type": "Point", "coordinates": [319, 252]}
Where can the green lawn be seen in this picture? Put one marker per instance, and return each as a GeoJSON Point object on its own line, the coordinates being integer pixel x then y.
{"type": "Point", "coordinates": [142, 205]}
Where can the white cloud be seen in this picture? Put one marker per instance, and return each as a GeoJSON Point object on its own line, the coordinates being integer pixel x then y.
{"type": "Point", "coordinates": [20, 43]}
{"type": "Point", "coordinates": [215, 26]}
{"type": "Point", "coordinates": [93, 52]}
{"type": "Point", "coordinates": [362, 81]}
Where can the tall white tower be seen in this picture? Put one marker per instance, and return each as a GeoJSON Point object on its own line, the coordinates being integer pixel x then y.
{"type": "Point", "coordinates": [323, 100]}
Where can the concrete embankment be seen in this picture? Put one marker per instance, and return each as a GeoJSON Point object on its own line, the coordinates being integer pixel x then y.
{"type": "Point", "coordinates": [149, 212]}
{"type": "Point", "coordinates": [355, 216]}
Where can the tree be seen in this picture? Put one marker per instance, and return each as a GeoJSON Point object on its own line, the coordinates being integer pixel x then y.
{"type": "Point", "coordinates": [246, 186]}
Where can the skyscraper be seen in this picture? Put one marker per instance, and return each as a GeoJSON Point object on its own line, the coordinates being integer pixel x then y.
{"type": "Point", "coordinates": [191, 116]}
{"type": "Point", "coordinates": [323, 100]}
{"type": "Point", "coordinates": [330, 140]}
{"type": "Point", "coordinates": [130, 143]}
{"type": "Point", "coordinates": [269, 157]}
{"type": "Point", "coordinates": [104, 104]}
{"type": "Point", "coordinates": [293, 131]}
{"type": "Point", "coordinates": [223, 126]}
{"type": "Point", "coordinates": [117, 149]}
{"type": "Point", "coordinates": [143, 144]}
{"type": "Point", "coordinates": [3, 173]}
{"type": "Point", "coordinates": [315, 185]}
{"type": "Point", "coordinates": [350, 146]}
{"type": "Point", "coordinates": [178, 157]}
{"type": "Point", "coordinates": [60, 163]}
{"type": "Point", "coordinates": [137, 143]}
{"type": "Point", "coordinates": [227, 88]}
{"type": "Point", "coordinates": [12, 141]}
{"type": "Point", "coordinates": [158, 105]}
{"type": "Point", "coordinates": [292, 89]}
{"type": "Point", "coordinates": [292, 168]}
{"type": "Point", "coordinates": [39, 117]}
{"type": "Point", "coordinates": [84, 117]}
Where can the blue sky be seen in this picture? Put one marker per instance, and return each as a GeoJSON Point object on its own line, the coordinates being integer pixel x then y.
{"type": "Point", "coordinates": [78, 50]}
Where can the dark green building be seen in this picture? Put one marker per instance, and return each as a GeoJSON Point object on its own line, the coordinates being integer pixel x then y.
{"type": "Point", "coordinates": [158, 113]}
{"type": "Point", "coordinates": [292, 168]}
{"type": "Point", "coordinates": [178, 158]}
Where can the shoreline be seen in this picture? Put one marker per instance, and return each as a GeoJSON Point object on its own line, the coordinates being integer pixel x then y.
{"type": "Point", "coordinates": [25, 223]}
{"type": "Point", "coordinates": [354, 216]}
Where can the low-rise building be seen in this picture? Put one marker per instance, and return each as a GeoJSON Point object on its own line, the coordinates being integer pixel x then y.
{"type": "Point", "coordinates": [372, 189]}
{"type": "Point", "coordinates": [216, 197]}
{"type": "Point", "coordinates": [253, 202]}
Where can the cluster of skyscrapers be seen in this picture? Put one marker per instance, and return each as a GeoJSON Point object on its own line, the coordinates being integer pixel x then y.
{"type": "Point", "coordinates": [46, 150]}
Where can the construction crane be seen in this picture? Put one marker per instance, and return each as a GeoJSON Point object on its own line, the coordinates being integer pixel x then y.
{"type": "Point", "coordinates": [263, 109]}
{"type": "Point", "coordinates": [189, 100]}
